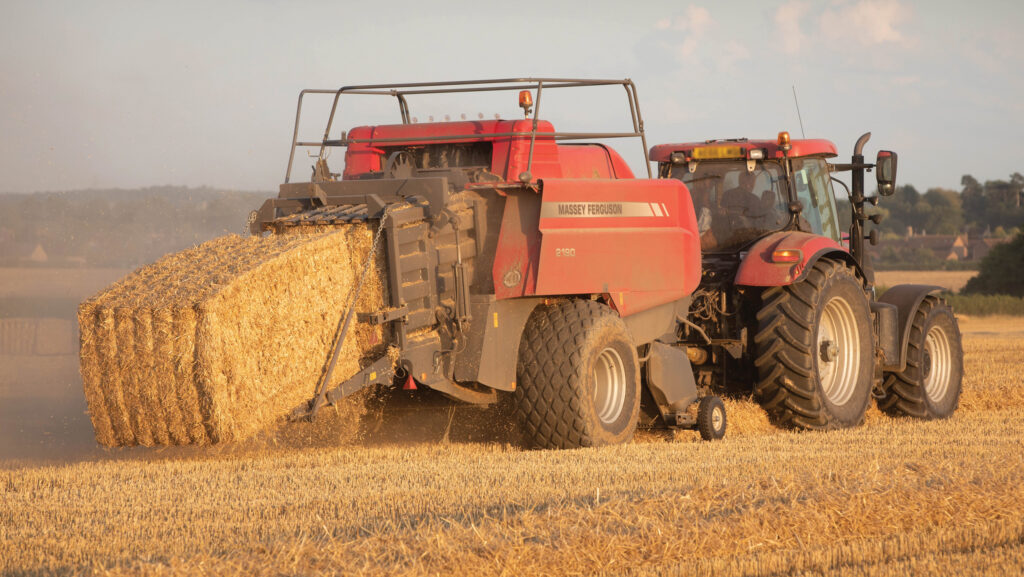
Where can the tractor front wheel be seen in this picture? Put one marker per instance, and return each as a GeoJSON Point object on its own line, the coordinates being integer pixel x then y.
{"type": "Point", "coordinates": [815, 350]}
{"type": "Point", "coordinates": [929, 387]}
{"type": "Point", "coordinates": [579, 377]}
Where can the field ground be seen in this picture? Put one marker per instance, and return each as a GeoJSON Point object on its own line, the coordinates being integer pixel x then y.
{"type": "Point", "coordinates": [56, 283]}
{"type": "Point", "coordinates": [890, 498]}
{"type": "Point", "coordinates": [954, 280]}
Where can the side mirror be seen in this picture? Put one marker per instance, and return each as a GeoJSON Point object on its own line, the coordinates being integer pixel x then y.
{"type": "Point", "coordinates": [885, 172]}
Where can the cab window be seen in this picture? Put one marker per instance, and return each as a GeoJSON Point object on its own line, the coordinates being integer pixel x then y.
{"type": "Point", "coordinates": [813, 187]}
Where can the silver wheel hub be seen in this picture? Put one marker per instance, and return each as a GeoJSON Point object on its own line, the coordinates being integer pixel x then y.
{"type": "Point", "coordinates": [829, 351]}
{"type": "Point", "coordinates": [609, 385]}
{"type": "Point", "coordinates": [937, 361]}
{"type": "Point", "coordinates": [717, 418]}
{"type": "Point", "coordinates": [839, 351]}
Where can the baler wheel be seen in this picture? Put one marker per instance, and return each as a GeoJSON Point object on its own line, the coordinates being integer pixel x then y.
{"type": "Point", "coordinates": [579, 377]}
{"type": "Point", "coordinates": [929, 387]}
{"type": "Point", "coordinates": [815, 350]}
{"type": "Point", "coordinates": [711, 421]}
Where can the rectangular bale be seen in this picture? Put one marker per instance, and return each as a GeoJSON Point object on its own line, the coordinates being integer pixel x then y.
{"type": "Point", "coordinates": [217, 342]}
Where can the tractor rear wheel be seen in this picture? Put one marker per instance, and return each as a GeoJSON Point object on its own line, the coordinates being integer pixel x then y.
{"type": "Point", "coordinates": [579, 377]}
{"type": "Point", "coordinates": [929, 387]}
{"type": "Point", "coordinates": [815, 350]}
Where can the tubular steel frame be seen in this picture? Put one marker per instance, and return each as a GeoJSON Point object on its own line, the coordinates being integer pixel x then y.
{"type": "Point", "coordinates": [400, 91]}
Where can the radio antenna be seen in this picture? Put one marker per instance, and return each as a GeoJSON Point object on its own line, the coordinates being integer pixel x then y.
{"type": "Point", "coordinates": [800, 118]}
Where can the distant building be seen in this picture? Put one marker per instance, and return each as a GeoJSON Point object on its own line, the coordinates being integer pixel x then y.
{"type": "Point", "coordinates": [944, 247]}
{"type": "Point", "coordinates": [978, 248]}
{"type": "Point", "coordinates": [38, 255]}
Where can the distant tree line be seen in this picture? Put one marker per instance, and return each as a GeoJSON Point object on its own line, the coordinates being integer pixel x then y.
{"type": "Point", "coordinates": [994, 208]}
{"type": "Point", "coordinates": [127, 228]}
{"type": "Point", "coordinates": [117, 228]}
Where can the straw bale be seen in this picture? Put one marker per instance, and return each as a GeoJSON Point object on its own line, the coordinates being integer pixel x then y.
{"type": "Point", "coordinates": [91, 373]}
{"type": "Point", "coordinates": [138, 415]}
{"type": "Point", "coordinates": [216, 342]}
{"type": "Point", "coordinates": [163, 372]}
{"type": "Point", "coordinates": [107, 350]}
{"type": "Point", "coordinates": [184, 386]}
{"type": "Point", "coordinates": [152, 396]}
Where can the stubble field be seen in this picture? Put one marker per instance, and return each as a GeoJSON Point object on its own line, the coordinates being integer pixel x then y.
{"type": "Point", "coordinates": [890, 498]}
{"type": "Point", "coordinates": [952, 280]}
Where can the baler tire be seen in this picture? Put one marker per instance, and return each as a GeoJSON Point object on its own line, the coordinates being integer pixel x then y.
{"type": "Point", "coordinates": [815, 350]}
{"type": "Point", "coordinates": [929, 387]}
{"type": "Point", "coordinates": [711, 418]}
{"type": "Point", "coordinates": [579, 377]}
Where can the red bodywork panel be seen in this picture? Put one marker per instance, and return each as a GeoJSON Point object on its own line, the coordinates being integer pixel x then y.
{"type": "Point", "coordinates": [757, 269]}
{"type": "Point", "coordinates": [592, 228]}
{"type": "Point", "coordinates": [592, 161]}
{"type": "Point", "coordinates": [635, 241]}
{"type": "Point", "coordinates": [808, 147]}
{"type": "Point", "coordinates": [510, 155]}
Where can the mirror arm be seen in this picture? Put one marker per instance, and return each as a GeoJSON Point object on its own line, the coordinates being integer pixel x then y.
{"type": "Point", "coordinates": [834, 179]}
{"type": "Point", "coordinates": [851, 166]}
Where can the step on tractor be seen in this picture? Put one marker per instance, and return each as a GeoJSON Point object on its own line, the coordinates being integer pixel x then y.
{"type": "Point", "coordinates": [528, 267]}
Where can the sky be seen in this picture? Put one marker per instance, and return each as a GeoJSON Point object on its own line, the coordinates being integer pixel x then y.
{"type": "Point", "coordinates": [134, 94]}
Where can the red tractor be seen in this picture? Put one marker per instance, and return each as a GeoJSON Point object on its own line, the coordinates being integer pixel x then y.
{"type": "Point", "coordinates": [786, 306]}
{"type": "Point", "coordinates": [524, 266]}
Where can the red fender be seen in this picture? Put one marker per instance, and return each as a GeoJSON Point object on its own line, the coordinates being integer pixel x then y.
{"type": "Point", "coordinates": [759, 268]}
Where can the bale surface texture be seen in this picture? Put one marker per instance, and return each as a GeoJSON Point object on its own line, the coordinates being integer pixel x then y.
{"type": "Point", "coordinates": [215, 343]}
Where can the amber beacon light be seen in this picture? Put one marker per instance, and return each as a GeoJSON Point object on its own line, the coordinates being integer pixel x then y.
{"type": "Point", "coordinates": [784, 140]}
{"type": "Point", "coordinates": [526, 101]}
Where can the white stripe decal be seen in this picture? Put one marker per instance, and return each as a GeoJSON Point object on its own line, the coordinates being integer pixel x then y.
{"type": "Point", "coordinates": [664, 208]}
{"type": "Point", "coordinates": [599, 209]}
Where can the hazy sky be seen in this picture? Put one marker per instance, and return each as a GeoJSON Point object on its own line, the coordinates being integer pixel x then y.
{"type": "Point", "coordinates": [129, 94]}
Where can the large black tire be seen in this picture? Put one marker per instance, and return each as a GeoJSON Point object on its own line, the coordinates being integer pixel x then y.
{"type": "Point", "coordinates": [929, 387]}
{"type": "Point", "coordinates": [815, 350]}
{"type": "Point", "coordinates": [579, 377]}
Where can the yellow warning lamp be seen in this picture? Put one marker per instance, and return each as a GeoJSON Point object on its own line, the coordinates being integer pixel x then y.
{"type": "Point", "coordinates": [526, 101]}
{"type": "Point", "coordinates": [784, 141]}
{"type": "Point", "coordinates": [787, 255]}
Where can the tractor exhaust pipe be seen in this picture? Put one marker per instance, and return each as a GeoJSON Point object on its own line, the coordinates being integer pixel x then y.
{"type": "Point", "coordinates": [858, 148]}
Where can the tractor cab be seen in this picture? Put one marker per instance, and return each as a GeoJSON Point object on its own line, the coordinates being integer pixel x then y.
{"type": "Point", "coordinates": [744, 190]}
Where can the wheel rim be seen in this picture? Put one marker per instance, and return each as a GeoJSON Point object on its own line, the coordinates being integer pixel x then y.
{"type": "Point", "coordinates": [609, 385]}
{"type": "Point", "coordinates": [717, 419]}
{"type": "Point", "coordinates": [838, 351]}
{"type": "Point", "coordinates": [936, 364]}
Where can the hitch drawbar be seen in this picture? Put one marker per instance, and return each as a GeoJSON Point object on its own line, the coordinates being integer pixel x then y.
{"type": "Point", "coordinates": [380, 371]}
{"type": "Point", "coordinates": [381, 367]}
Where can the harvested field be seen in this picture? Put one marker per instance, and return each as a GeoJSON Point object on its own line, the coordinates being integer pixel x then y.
{"type": "Point", "coordinates": [217, 342]}
{"type": "Point", "coordinates": [952, 280]}
{"type": "Point", "coordinates": [890, 498]}
{"type": "Point", "coordinates": [55, 283]}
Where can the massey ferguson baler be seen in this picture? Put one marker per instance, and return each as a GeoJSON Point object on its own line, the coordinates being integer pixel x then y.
{"type": "Point", "coordinates": [517, 262]}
